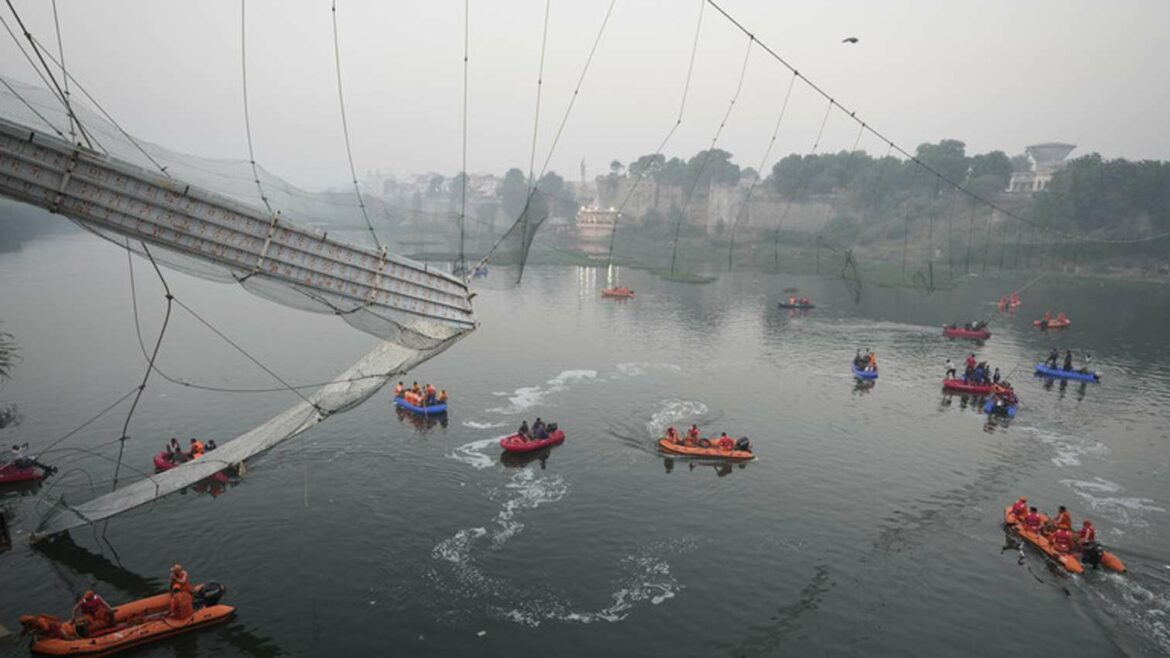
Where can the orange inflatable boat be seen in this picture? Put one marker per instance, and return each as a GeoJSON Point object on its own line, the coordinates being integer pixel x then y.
{"type": "Point", "coordinates": [710, 450]}
{"type": "Point", "coordinates": [135, 623]}
{"type": "Point", "coordinates": [1069, 561]}
{"type": "Point", "coordinates": [620, 292]}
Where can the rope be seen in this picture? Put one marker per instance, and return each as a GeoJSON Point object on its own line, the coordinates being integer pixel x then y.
{"type": "Point", "coordinates": [345, 127]}
{"type": "Point", "coordinates": [65, 78]}
{"type": "Point", "coordinates": [957, 186]}
{"type": "Point", "coordinates": [63, 96]}
{"type": "Point", "coordinates": [539, 87]}
{"type": "Point", "coordinates": [909, 211]}
{"type": "Point", "coordinates": [799, 187]}
{"type": "Point", "coordinates": [247, 117]}
{"type": "Point", "coordinates": [526, 238]}
{"type": "Point", "coordinates": [36, 69]}
{"type": "Point", "coordinates": [82, 426]}
{"type": "Point", "coordinates": [707, 156]}
{"type": "Point", "coordinates": [678, 122]}
{"type": "Point", "coordinates": [463, 186]}
{"type": "Point", "coordinates": [146, 376]}
{"type": "Point", "coordinates": [31, 108]}
{"type": "Point", "coordinates": [759, 170]}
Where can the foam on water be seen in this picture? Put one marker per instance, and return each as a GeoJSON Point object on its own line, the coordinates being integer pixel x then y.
{"type": "Point", "coordinates": [1069, 449]}
{"type": "Point", "coordinates": [531, 492]}
{"type": "Point", "coordinates": [1120, 510]}
{"type": "Point", "coordinates": [482, 426]}
{"type": "Point", "coordinates": [672, 411]}
{"type": "Point", "coordinates": [526, 397]}
{"type": "Point", "coordinates": [472, 455]}
{"type": "Point", "coordinates": [636, 369]}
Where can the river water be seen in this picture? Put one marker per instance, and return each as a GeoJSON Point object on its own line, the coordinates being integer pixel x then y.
{"type": "Point", "coordinates": [869, 525]}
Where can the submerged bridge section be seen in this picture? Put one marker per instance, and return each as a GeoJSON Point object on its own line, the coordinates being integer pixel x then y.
{"type": "Point", "coordinates": [215, 237]}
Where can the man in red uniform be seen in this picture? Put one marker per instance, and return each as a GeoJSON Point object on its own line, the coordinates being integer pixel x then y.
{"type": "Point", "coordinates": [1062, 540]}
{"type": "Point", "coordinates": [1032, 520]}
{"type": "Point", "coordinates": [1088, 533]}
{"type": "Point", "coordinates": [1020, 508]}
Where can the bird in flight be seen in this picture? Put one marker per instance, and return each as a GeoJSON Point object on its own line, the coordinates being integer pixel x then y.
{"type": "Point", "coordinates": [849, 40]}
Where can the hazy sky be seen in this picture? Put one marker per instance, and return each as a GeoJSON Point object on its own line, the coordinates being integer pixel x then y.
{"type": "Point", "coordinates": [997, 74]}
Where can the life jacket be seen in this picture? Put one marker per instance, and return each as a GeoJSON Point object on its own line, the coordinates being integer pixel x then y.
{"type": "Point", "coordinates": [1062, 540]}
{"type": "Point", "coordinates": [94, 606]}
{"type": "Point", "coordinates": [1063, 520]}
{"type": "Point", "coordinates": [1019, 510]}
{"type": "Point", "coordinates": [971, 362]}
{"type": "Point", "coordinates": [179, 581]}
{"type": "Point", "coordinates": [430, 389]}
{"type": "Point", "coordinates": [196, 450]}
{"type": "Point", "coordinates": [1032, 520]}
{"type": "Point", "coordinates": [693, 433]}
{"type": "Point", "coordinates": [1087, 534]}
{"type": "Point", "coordinates": [398, 390]}
{"type": "Point", "coordinates": [726, 443]}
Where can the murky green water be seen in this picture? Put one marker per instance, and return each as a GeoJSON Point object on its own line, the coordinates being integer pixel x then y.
{"type": "Point", "coordinates": [869, 525]}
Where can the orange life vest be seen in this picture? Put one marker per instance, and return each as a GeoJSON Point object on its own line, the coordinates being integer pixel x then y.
{"type": "Point", "coordinates": [1088, 534]}
{"type": "Point", "coordinates": [196, 450]}
{"type": "Point", "coordinates": [1062, 540]}
{"type": "Point", "coordinates": [1020, 510]}
{"type": "Point", "coordinates": [726, 443]}
{"type": "Point", "coordinates": [1063, 520]}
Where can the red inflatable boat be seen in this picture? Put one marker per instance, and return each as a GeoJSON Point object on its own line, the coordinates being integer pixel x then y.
{"type": "Point", "coordinates": [516, 443]}
{"type": "Point", "coordinates": [10, 473]}
{"type": "Point", "coordinates": [964, 387]}
{"type": "Point", "coordinates": [960, 332]}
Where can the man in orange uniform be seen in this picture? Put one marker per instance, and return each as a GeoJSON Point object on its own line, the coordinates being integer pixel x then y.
{"type": "Point", "coordinates": [92, 613]}
{"type": "Point", "coordinates": [1032, 520]}
{"type": "Point", "coordinates": [1020, 508]}
{"type": "Point", "coordinates": [1063, 519]}
{"type": "Point", "coordinates": [182, 603]}
{"type": "Point", "coordinates": [196, 449]}
{"type": "Point", "coordinates": [1062, 540]}
{"type": "Point", "coordinates": [179, 578]}
{"type": "Point", "coordinates": [725, 442]}
{"type": "Point", "coordinates": [1088, 533]}
{"type": "Point", "coordinates": [693, 435]}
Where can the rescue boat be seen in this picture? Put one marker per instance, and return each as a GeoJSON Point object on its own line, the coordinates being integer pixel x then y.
{"type": "Point", "coordinates": [701, 450]}
{"type": "Point", "coordinates": [1067, 560]}
{"type": "Point", "coordinates": [620, 292]}
{"type": "Point", "coordinates": [430, 410]}
{"type": "Point", "coordinates": [963, 387]}
{"type": "Point", "coordinates": [961, 332]}
{"type": "Point", "coordinates": [517, 443]}
{"type": "Point", "coordinates": [135, 623]}
{"type": "Point", "coordinates": [1054, 323]}
{"type": "Point", "coordinates": [11, 473]}
{"type": "Point", "coordinates": [163, 463]}
{"type": "Point", "coordinates": [1059, 373]}
{"type": "Point", "coordinates": [864, 374]}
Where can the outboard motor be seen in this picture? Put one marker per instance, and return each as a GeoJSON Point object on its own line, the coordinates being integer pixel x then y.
{"type": "Point", "coordinates": [743, 444]}
{"type": "Point", "coordinates": [552, 427]}
{"type": "Point", "coordinates": [209, 595]}
{"type": "Point", "coordinates": [1091, 554]}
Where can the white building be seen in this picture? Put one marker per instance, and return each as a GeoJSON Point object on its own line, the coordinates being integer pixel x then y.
{"type": "Point", "coordinates": [1046, 159]}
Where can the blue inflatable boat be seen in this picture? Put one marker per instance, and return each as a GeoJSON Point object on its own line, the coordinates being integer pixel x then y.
{"type": "Point", "coordinates": [432, 410]}
{"type": "Point", "coordinates": [864, 374]}
{"type": "Point", "coordinates": [1060, 373]}
{"type": "Point", "coordinates": [1010, 409]}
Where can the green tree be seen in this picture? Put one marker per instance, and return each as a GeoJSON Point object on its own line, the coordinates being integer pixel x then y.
{"type": "Point", "coordinates": [513, 193]}
{"type": "Point", "coordinates": [995, 164]}
{"type": "Point", "coordinates": [435, 187]}
{"type": "Point", "coordinates": [948, 157]}
{"type": "Point", "coordinates": [647, 165]}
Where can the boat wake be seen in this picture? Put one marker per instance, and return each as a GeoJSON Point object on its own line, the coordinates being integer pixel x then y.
{"type": "Point", "coordinates": [1121, 510]}
{"type": "Point", "coordinates": [645, 575]}
{"type": "Point", "coordinates": [1069, 449]}
{"type": "Point", "coordinates": [482, 426]}
{"type": "Point", "coordinates": [526, 397]}
{"type": "Point", "coordinates": [671, 412]}
{"type": "Point", "coordinates": [472, 453]}
{"type": "Point", "coordinates": [637, 369]}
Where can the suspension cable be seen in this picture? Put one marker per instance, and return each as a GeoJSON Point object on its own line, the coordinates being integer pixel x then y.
{"type": "Point", "coordinates": [673, 128]}
{"type": "Point", "coordinates": [463, 167]}
{"type": "Point", "coordinates": [707, 156]}
{"type": "Point", "coordinates": [759, 170]}
{"type": "Point", "coordinates": [345, 128]}
{"type": "Point", "coordinates": [956, 185]}
{"type": "Point", "coordinates": [65, 78]}
{"type": "Point", "coordinates": [247, 114]}
{"type": "Point", "coordinates": [802, 175]}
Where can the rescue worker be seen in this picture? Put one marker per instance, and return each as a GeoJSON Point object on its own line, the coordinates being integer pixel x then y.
{"type": "Point", "coordinates": [725, 442]}
{"type": "Point", "coordinates": [950, 369]}
{"type": "Point", "coordinates": [92, 613]}
{"type": "Point", "coordinates": [995, 377]}
{"type": "Point", "coordinates": [1053, 357]}
{"type": "Point", "coordinates": [1032, 520]}
{"type": "Point", "coordinates": [693, 435]}
{"type": "Point", "coordinates": [1062, 540]}
{"type": "Point", "coordinates": [872, 366]}
{"type": "Point", "coordinates": [523, 431]}
{"type": "Point", "coordinates": [443, 396]}
{"type": "Point", "coordinates": [538, 429]}
{"type": "Point", "coordinates": [399, 389]}
{"type": "Point", "coordinates": [182, 603]}
{"type": "Point", "coordinates": [1087, 534]}
{"type": "Point", "coordinates": [1020, 508]}
{"type": "Point", "coordinates": [179, 578]}
{"type": "Point", "coordinates": [1063, 519]}
{"type": "Point", "coordinates": [672, 435]}
{"type": "Point", "coordinates": [196, 449]}
{"type": "Point", "coordinates": [971, 362]}
{"type": "Point", "coordinates": [415, 389]}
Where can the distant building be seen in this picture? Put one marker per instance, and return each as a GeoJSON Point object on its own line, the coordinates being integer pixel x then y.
{"type": "Point", "coordinates": [594, 228]}
{"type": "Point", "coordinates": [1046, 159]}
